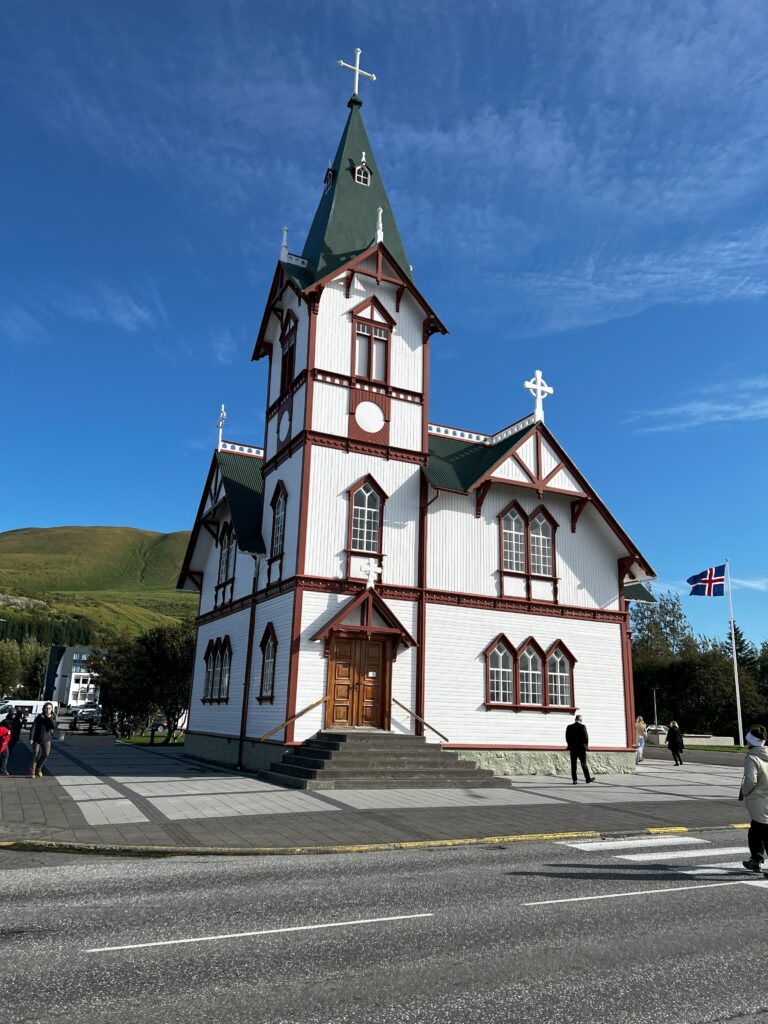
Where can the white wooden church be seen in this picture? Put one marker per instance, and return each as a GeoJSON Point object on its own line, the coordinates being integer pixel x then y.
{"type": "Point", "coordinates": [369, 569]}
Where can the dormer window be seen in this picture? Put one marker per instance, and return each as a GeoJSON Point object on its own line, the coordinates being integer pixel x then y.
{"type": "Point", "coordinates": [288, 350]}
{"type": "Point", "coordinates": [328, 182]}
{"type": "Point", "coordinates": [362, 174]}
{"type": "Point", "coordinates": [372, 331]}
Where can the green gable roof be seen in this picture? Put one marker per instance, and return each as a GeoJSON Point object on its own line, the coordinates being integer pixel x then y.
{"type": "Point", "coordinates": [457, 465]}
{"type": "Point", "coordinates": [345, 221]}
{"type": "Point", "coordinates": [638, 592]}
{"type": "Point", "coordinates": [244, 487]}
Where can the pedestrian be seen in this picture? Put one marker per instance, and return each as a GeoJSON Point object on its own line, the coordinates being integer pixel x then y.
{"type": "Point", "coordinates": [577, 741]}
{"type": "Point", "coordinates": [641, 732]}
{"type": "Point", "coordinates": [675, 742]}
{"type": "Point", "coordinates": [5, 746]}
{"type": "Point", "coordinates": [41, 735]}
{"type": "Point", "coordinates": [754, 791]}
{"type": "Point", "coordinates": [15, 727]}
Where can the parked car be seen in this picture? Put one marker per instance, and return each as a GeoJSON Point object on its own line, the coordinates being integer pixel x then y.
{"type": "Point", "coordinates": [86, 715]}
{"type": "Point", "coordinates": [658, 730]}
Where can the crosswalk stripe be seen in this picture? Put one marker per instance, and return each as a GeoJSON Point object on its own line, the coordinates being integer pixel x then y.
{"type": "Point", "coordinates": [641, 842]}
{"type": "Point", "coordinates": [710, 869]}
{"type": "Point", "coordinates": [656, 858]}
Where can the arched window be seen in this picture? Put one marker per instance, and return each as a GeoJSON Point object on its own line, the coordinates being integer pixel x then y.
{"type": "Point", "coordinates": [288, 353]}
{"type": "Point", "coordinates": [531, 675]}
{"type": "Point", "coordinates": [513, 541]}
{"type": "Point", "coordinates": [279, 505]}
{"type": "Point", "coordinates": [366, 519]}
{"type": "Point", "coordinates": [372, 328]}
{"type": "Point", "coordinates": [231, 555]}
{"type": "Point", "coordinates": [559, 679]}
{"type": "Point", "coordinates": [224, 545]}
{"type": "Point", "coordinates": [268, 661]}
{"type": "Point", "coordinates": [208, 684]}
{"type": "Point", "coordinates": [226, 660]}
{"type": "Point", "coordinates": [541, 545]}
{"type": "Point", "coordinates": [501, 674]}
{"type": "Point", "coordinates": [215, 688]}
{"type": "Point", "coordinates": [362, 174]}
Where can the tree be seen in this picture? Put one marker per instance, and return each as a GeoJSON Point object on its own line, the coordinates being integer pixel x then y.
{"type": "Point", "coordinates": [661, 630]}
{"type": "Point", "coordinates": [164, 662]}
{"type": "Point", "coordinates": [34, 662]}
{"type": "Point", "coordinates": [10, 667]}
{"type": "Point", "coordinates": [121, 689]}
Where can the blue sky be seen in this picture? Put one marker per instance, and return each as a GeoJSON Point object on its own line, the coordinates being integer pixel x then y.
{"type": "Point", "coordinates": [580, 187]}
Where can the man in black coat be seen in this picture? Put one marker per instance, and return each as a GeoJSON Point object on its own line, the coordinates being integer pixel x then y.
{"type": "Point", "coordinates": [577, 741]}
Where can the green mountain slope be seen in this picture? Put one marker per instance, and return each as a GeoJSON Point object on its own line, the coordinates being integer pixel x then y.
{"type": "Point", "coordinates": [118, 576]}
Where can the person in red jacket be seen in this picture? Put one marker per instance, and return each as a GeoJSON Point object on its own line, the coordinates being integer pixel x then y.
{"type": "Point", "coordinates": [5, 746]}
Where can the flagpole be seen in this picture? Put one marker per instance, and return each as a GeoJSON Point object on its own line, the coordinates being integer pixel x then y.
{"type": "Point", "coordinates": [733, 650]}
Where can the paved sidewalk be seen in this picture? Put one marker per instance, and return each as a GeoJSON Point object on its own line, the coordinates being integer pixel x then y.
{"type": "Point", "coordinates": [139, 796]}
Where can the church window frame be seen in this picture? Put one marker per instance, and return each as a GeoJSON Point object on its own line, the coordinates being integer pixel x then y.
{"type": "Point", "coordinates": [288, 337]}
{"type": "Point", "coordinates": [225, 583]}
{"type": "Point", "coordinates": [365, 522]}
{"type": "Point", "coordinates": [218, 671]}
{"type": "Point", "coordinates": [362, 174]}
{"type": "Point", "coordinates": [268, 646]}
{"type": "Point", "coordinates": [372, 328]}
{"type": "Point", "coordinates": [539, 555]}
{"type": "Point", "coordinates": [529, 690]}
{"type": "Point", "coordinates": [279, 506]}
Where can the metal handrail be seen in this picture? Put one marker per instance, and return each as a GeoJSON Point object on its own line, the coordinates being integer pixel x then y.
{"type": "Point", "coordinates": [420, 719]}
{"type": "Point", "coordinates": [293, 718]}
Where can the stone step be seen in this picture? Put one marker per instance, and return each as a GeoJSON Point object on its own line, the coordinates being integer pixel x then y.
{"type": "Point", "coordinates": [354, 782]}
{"type": "Point", "coordinates": [378, 760]}
{"type": "Point", "coordinates": [336, 740]}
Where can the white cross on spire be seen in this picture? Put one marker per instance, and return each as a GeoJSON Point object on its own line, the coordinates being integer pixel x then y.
{"type": "Point", "coordinates": [539, 388]}
{"type": "Point", "coordinates": [220, 424]}
{"type": "Point", "coordinates": [356, 68]}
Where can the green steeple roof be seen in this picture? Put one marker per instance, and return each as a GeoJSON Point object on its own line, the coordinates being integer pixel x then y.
{"type": "Point", "coordinates": [345, 221]}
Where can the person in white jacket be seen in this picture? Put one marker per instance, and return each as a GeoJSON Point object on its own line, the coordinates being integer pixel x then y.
{"type": "Point", "coordinates": [754, 789]}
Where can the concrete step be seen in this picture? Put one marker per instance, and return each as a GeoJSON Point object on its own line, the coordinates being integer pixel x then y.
{"type": "Point", "coordinates": [322, 783]}
{"type": "Point", "coordinates": [328, 740]}
{"type": "Point", "coordinates": [429, 772]}
{"type": "Point", "coordinates": [377, 760]}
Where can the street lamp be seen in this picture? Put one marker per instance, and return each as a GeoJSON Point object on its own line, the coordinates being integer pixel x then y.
{"type": "Point", "coordinates": [655, 715]}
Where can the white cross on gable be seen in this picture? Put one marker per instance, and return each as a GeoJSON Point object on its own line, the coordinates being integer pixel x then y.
{"type": "Point", "coordinates": [370, 568]}
{"type": "Point", "coordinates": [539, 388]}
{"type": "Point", "coordinates": [356, 68]}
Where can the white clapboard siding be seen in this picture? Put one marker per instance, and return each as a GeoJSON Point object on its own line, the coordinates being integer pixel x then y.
{"type": "Point", "coordinates": [289, 472]}
{"type": "Point", "coordinates": [210, 570]}
{"type": "Point", "coordinates": [565, 481]}
{"type": "Point", "coordinates": [221, 719]}
{"type": "Point", "coordinates": [527, 453]}
{"type": "Point", "coordinates": [405, 425]}
{"type": "Point", "coordinates": [263, 717]}
{"type": "Point", "coordinates": [511, 470]}
{"type": "Point", "coordinates": [407, 362]}
{"type": "Point", "coordinates": [549, 459]}
{"type": "Point", "coordinates": [455, 677]}
{"type": "Point", "coordinates": [330, 409]}
{"type": "Point", "coordinates": [332, 473]}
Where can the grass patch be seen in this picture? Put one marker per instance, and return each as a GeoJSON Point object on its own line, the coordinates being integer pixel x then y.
{"type": "Point", "coordinates": [143, 741]}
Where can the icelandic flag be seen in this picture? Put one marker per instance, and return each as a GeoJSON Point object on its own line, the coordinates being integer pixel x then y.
{"type": "Point", "coordinates": [710, 583]}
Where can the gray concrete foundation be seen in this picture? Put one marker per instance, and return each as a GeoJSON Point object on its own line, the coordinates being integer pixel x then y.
{"type": "Point", "coordinates": [549, 762]}
{"type": "Point", "coordinates": [223, 750]}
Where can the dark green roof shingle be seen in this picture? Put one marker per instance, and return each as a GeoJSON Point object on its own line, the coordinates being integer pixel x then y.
{"type": "Point", "coordinates": [457, 465]}
{"type": "Point", "coordinates": [244, 487]}
{"type": "Point", "coordinates": [345, 221]}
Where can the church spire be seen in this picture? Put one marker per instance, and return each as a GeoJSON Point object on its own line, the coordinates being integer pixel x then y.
{"type": "Point", "coordinates": [354, 209]}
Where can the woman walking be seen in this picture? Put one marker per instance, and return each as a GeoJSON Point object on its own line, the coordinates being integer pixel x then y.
{"type": "Point", "coordinates": [675, 742]}
{"type": "Point", "coordinates": [641, 732]}
{"type": "Point", "coordinates": [43, 729]}
{"type": "Point", "coordinates": [754, 792]}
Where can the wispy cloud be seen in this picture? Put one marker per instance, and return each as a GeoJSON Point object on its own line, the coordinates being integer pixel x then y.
{"type": "Point", "coordinates": [19, 326]}
{"type": "Point", "coordinates": [739, 401]}
{"type": "Point", "coordinates": [760, 583]}
{"type": "Point", "coordinates": [103, 303]}
{"type": "Point", "coordinates": [224, 348]}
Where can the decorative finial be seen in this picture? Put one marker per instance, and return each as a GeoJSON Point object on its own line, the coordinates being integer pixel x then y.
{"type": "Point", "coordinates": [370, 568]}
{"type": "Point", "coordinates": [539, 388]}
{"type": "Point", "coordinates": [222, 421]}
{"type": "Point", "coordinates": [284, 246]}
{"type": "Point", "coordinates": [379, 226]}
{"type": "Point", "coordinates": [356, 68]}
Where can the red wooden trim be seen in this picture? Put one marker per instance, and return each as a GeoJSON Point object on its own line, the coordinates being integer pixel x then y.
{"type": "Point", "coordinates": [301, 548]}
{"type": "Point", "coordinates": [269, 634]}
{"type": "Point", "coordinates": [480, 496]}
{"type": "Point", "coordinates": [372, 602]}
{"type": "Point", "coordinates": [577, 507]}
{"type": "Point", "coordinates": [380, 451]}
{"type": "Point", "coordinates": [293, 664]}
{"type": "Point", "coordinates": [358, 312]}
{"type": "Point", "coordinates": [313, 307]}
{"type": "Point", "coordinates": [500, 638]}
{"type": "Point", "coordinates": [192, 543]}
{"type": "Point", "coordinates": [343, 380]}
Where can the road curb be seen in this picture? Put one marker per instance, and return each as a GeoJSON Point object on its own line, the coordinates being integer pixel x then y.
{"type": "Point", "coordinates": [96, 849]}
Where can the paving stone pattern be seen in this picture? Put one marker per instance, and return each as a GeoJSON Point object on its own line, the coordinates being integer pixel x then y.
{"type": "Point", "coordinates": [127, 795]}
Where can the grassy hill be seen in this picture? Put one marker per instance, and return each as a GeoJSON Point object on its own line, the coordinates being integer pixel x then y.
{"type": "Point", "coordinates": [117, 576]}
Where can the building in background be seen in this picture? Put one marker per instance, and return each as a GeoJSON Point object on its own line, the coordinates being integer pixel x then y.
{"type": "Point", "coordinates": [68, 679]}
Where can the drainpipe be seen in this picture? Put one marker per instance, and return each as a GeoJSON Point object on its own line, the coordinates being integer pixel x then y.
{"type": "Point", "coordinates": [248, 659]}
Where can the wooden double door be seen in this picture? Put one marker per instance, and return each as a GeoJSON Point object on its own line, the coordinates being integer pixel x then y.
{"type": "Point", "coordinates": [358, 682]}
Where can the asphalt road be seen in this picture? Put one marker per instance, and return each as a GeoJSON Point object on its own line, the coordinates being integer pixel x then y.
{"type": "Point", "coordinates": [692, 952]}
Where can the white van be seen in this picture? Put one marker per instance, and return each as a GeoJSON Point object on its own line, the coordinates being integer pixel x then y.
{"type": "Point", "coordinates": [30, 708]}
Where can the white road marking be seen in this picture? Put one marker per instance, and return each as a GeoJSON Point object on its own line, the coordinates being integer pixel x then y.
{"type": "Point", "coordinates": [628, 844]}
{"type": "Point", "coordinates": [678, 854]}
{"type": "Point", "coordinates": [641, 892]}
{"type": "Point", "coordinates": [266, 931]}
{"type": "Point", "coordinates": [709, 869]}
